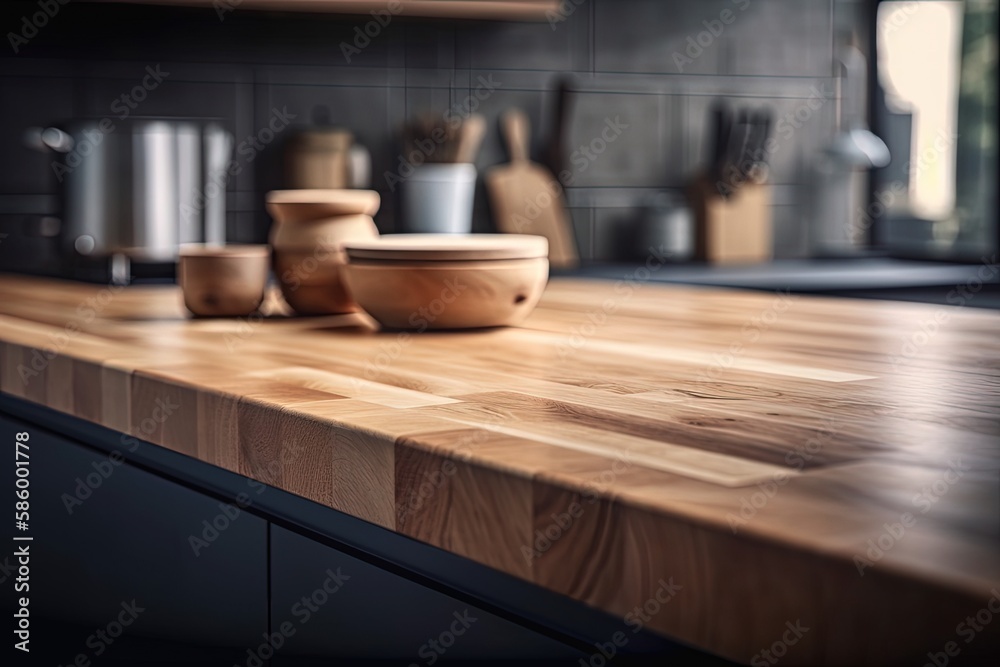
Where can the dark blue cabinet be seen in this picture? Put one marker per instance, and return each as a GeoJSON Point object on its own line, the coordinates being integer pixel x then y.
{"type": "Point", "coordinates": [327, 603]}
{"type": "Point", "coordinates": [112, 561]}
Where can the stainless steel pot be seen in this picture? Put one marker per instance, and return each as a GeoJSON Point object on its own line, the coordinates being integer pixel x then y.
{"type": "Point", "coordinates": [140, 187]}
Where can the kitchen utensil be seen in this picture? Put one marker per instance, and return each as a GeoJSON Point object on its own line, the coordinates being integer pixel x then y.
{"type": "Point", "coordinates": [223, 280]}
{"type": "Point", "coordinates": [432, 137]}
{"type": "Point", "coordinates": [556, 153]}
{"type": "Point", "coordinates": [720, 128]}
{"type": "Point", "coordinates": [763, 121]}
{"type": "Point", "coordinates": [413, 281]}
{"type": "Point", "coordinates": [318, 158]}
{"type": "Point", "coordinates": [527, 199]}
{"type": "Point", "coordinates": [855, 145]}
{"type": "Point", "coordinates": [443, 139]}
{"type": "Point", "coordinates": [438, 196]}
{"type": "Point", "coordinates": [739, 159]}
{"type": "Point", "coordinates": [310, 228]}
{"type": "Point", "coordinates": [438, 199]}
{"type": "Point", "coordinates": [470, 137]}
{"type": "Point", "coordinates": [838, 182]}
{"type": "Point", "coordinates": [142, 189]}
{"type": "Point", "coordinates": [859, 148]}
{"type": "Point", "coordinates": [663, 228]}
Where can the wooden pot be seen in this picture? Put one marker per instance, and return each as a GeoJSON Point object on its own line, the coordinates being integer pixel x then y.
{"type": "Point", "coordinates": [310, 228]}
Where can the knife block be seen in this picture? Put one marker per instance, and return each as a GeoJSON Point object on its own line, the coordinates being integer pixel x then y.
{"type": "Point", "coordinates": [734, 229]}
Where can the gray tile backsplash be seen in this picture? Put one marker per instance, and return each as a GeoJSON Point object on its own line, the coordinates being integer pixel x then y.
{"type": "Point", "coordinates": [653, 65]}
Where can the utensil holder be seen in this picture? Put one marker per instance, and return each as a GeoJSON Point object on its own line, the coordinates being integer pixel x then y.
{"type": "Point", "coordinates": [437, 199]}
{"type": "Point", "coordinates": [734, 229]}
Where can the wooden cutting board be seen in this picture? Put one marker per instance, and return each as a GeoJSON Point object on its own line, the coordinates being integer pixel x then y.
{"type": "Point", "coordinates": [527, 199]}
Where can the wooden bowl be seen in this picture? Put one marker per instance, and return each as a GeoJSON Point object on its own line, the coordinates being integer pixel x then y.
{"type": "Point", "coordinates": [223, 281]}
{"type": "Point", "coordinates": [418, 281]}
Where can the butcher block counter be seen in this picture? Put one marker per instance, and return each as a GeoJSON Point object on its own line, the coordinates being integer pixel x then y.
{"type": "Point", "coordinates": [811, 478]}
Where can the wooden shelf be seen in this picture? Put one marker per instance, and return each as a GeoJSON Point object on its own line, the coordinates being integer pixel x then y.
{"type": "Point", "coordinates": [511, 10]}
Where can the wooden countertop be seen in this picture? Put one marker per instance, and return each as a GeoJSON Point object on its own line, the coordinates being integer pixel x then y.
{"type": "Point", "coordinates": [751, 448]}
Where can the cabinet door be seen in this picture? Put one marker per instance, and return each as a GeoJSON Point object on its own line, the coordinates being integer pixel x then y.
{"type": "Point", "coordinates": [112, 550]}
{"type": "Point", "coordinates": [328, 604]}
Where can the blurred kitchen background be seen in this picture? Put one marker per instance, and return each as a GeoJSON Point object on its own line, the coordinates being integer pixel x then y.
{"type": "Point", "coordinates": [916, 73]}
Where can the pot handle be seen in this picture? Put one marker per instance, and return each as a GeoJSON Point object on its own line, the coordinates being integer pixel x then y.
{"type": "Point", "coordinates": [48, 139]}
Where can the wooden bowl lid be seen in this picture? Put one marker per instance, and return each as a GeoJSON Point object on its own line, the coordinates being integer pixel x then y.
{"type": "Point", "coordinates": [334, 202]}
{"type": "Point", "coordinates": [448, 247]}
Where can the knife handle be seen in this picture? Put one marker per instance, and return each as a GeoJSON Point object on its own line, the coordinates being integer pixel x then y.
{"type": "Point", "coordinates": [516, 127]}
{"type": "Point", "coordinates": [721, 127]}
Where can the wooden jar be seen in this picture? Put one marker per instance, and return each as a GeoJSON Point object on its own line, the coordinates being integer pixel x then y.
{"type": "Point", "coordinates": [319, 158]}
{"type": "Point", "coordinates": [310, 228]}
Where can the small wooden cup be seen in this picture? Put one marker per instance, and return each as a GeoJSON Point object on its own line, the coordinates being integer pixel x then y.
{"type": "Point", "coordinates": [223, 281]}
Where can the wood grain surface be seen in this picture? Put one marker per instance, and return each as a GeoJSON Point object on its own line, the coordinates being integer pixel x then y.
{"type": "Point", "coordinates": [776, 459]}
